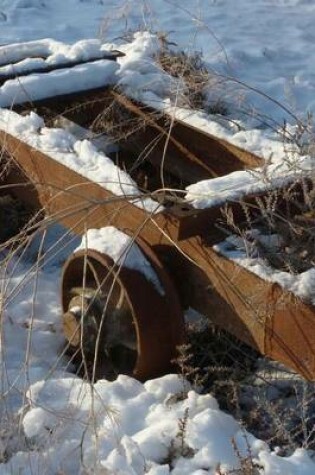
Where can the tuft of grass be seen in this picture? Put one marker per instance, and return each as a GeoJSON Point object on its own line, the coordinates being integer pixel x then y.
{"type": "Point", "coordinates": [197, 81]}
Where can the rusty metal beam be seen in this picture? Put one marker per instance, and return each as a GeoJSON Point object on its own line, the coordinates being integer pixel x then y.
{"type": "Point", "coordinates": [216, 156]}
{"type": "Point", "coordinates": [262, 314]}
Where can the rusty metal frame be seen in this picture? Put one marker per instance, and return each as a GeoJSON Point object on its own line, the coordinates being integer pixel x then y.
{"type": "Point", "coordinates": [262, 314]}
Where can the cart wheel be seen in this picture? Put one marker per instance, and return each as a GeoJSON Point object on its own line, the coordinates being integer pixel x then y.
{"type": "Point", "coordinates": [117, 321]}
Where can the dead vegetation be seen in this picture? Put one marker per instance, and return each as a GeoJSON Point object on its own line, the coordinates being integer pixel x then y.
{"type": "Point", "coordinates": [200, 89]}
{"type": "Point", "coordinates": [271, 402]}
{"type": "Point", "coordinates": [278, 227]}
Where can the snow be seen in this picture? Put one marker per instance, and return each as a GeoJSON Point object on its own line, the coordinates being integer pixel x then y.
{"type": "Point", "coordinates": [49, 51]}
{"type": "Point", "coordinates": [134, 428]}
{"type": "Point", "coordinates": [122, 249]}
{"type": "Point", "coordinates": [139, 75]}
{"type": "Point", "coordinates": [126, 427]}
{"type": "Point", "coordinates": [237, 185]}
{"type": "Point", "coordinates": [64, 81]}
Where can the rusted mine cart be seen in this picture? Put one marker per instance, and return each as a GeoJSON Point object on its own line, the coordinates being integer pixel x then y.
{"type": "Point", "coordinates": [177, 241]}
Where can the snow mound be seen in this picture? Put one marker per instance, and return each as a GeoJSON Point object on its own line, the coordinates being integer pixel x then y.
{"type": "Point", "coordinates": [127, 427]}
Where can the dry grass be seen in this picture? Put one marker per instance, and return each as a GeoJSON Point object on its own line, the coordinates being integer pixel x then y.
{"type": "Point", "coordinates": [270, 401]}
{"type": "Point", "coordinates": [196, 80]}
{"type": "Point", "coordinates": [279, 227]}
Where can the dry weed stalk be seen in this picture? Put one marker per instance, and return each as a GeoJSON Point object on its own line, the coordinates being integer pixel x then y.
{"type": "Point", "coordinates": [247, 465]}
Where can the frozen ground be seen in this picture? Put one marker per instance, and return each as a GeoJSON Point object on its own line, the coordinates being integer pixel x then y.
{"type": "Point", "coordinates": [52, 422]}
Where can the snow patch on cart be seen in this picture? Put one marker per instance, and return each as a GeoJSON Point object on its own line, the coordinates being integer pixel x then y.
{"type": "Point", "coordinates": [122, 249]}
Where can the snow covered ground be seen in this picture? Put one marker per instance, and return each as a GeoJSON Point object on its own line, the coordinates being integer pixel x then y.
{"type": "Point", "coordinates": [51, 421]}
{"type": "Point", "coordinates": [266, 43]}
